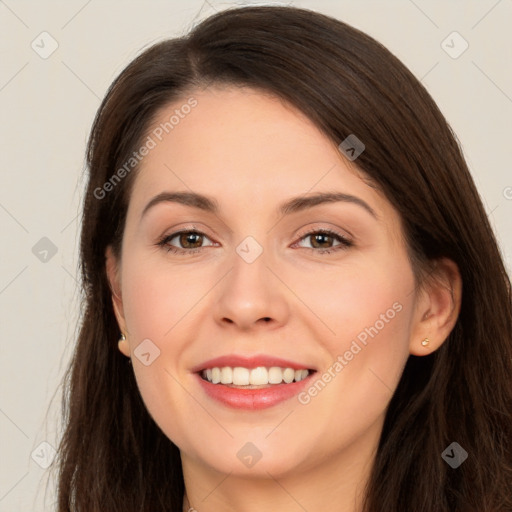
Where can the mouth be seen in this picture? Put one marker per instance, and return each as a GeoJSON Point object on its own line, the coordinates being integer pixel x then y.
{"type": "Point", "coordinates": [260, 377]}
{"type": "Point", "coordinates": [252, 383]}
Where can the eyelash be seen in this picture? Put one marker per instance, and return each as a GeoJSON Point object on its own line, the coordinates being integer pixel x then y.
{"type": "Point", "coordinates": [345, 243]}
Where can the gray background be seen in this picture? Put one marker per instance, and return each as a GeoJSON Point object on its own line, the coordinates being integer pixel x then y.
{"type": "Point", "coordinates": [48, 103]}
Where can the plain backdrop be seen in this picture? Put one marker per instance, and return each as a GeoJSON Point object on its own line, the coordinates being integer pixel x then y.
{"type": "Point", "coordinates": [58, 59]}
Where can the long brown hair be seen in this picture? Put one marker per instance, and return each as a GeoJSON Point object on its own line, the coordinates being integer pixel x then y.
{"type": "Point", "coordinates": [113, 457]}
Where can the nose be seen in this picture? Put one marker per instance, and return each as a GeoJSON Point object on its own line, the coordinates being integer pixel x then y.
{"type": "Point", "coordinates": [251, 296]}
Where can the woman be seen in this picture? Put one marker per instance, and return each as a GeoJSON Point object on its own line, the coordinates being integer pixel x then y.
{"type": "Point", "coordinates": [293, 297]}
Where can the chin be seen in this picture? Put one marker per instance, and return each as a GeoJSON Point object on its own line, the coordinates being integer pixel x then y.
{"type": "Point", "coordinates": [254, 457]}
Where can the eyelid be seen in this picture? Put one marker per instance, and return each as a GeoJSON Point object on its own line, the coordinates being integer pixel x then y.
{"type": "Point", "coordinates": [331, 230]}
{"type": "Point", "coordinates": [344, 242]}
{"type": "Point", "coordinates": [192, 228]}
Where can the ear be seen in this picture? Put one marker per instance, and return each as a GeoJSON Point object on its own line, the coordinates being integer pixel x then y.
{"type": "Point", "coordinates": [437, 308]}
{"type": "Point", "coordinates": [113, 276]}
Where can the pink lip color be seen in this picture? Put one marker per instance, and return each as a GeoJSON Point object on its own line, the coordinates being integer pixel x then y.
{"type": "Point", "coordinates": [252, 399]}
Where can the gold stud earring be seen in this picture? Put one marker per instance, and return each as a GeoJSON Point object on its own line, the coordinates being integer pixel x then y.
{"type": "Point", "coordinates": [123, 338]}
{"type": "Point", "coordinates": [425, 342]}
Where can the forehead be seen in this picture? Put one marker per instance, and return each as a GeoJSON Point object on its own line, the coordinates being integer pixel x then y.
{"type": "Point", "coordinates": [240, 136]}
{"type": "Point", "coordinates": [249, 150]}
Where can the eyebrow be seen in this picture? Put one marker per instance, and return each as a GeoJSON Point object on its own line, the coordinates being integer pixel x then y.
{"type": "Point", "coordinates": [296, 204]}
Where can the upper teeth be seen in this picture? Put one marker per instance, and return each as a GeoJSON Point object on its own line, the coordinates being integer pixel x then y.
{"type": "Point", "coordinates": [240, 376]}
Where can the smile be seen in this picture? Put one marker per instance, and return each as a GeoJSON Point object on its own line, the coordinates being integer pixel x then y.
{"type": "Point", "coordinates": [253, 378]}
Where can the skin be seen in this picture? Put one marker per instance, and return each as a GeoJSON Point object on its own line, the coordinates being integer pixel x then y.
{"type": "Point", "coordinates": [251, 152]}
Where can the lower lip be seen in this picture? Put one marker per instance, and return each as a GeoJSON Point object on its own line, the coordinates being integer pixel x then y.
{"type": "Point", "coordinates": [252, 399]}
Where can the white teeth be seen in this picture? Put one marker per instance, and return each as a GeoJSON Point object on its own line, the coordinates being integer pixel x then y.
{"type": "Point", "coordinates": [226, 375]}
{"type": "Point", "coordinates": [260, 376]}
{"type": "Point", "coordinates": [300, 374]}
{"type": "Point", "coordinates": [240, 376]}
{"type": "Point", "coordinates": [275, 375]}
{"type": "Point", "coordinates": [288, 375]}
{"type": "Point", "coordinates": [215, 375]}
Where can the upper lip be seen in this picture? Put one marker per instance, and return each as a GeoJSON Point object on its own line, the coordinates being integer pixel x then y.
{"type": "Point", "coordinates": [255, 361]}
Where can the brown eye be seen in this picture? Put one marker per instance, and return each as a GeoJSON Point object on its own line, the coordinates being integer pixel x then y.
{"type": "Point", "coordinates": [322, 240]}
{"type": "Point", "coordinates": [184, 242]}
{"type": "Point", "coordinates": [190, 240]}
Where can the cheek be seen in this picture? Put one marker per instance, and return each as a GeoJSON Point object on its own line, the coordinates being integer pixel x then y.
{"type": "Point", "coordinates": [161, 304]}
{"type": "Point", "coordinates": [365, 300]}
{"type": "Point", "coordinates": [156, 296]}
{"type": "Point", "coordinates": [368, 312]}
{"type": "Point", "coordinates": [366, 359]}
{"type": "Point", "coordinates": [156, 300]}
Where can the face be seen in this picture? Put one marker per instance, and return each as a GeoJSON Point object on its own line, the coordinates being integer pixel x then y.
{"type": "Point", "coordinates": [319, 293]}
